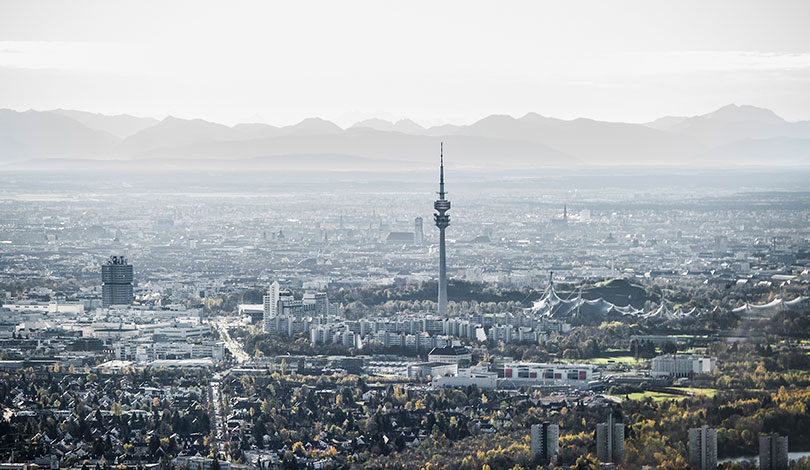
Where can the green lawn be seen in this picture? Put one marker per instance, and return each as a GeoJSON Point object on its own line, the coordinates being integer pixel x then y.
{"type": "Point", "coordinates": [656, 396]}
{"type": "Point", "coordinates": [603, 361]}
{"type": "Point", "coordinates": [694, 351]}
{"type": "Point", "coordinates": [659, 396]}
{"type": "Point", "coordinates": [709, 392]}
{"type": "Point", "coordinates": [611, 360]}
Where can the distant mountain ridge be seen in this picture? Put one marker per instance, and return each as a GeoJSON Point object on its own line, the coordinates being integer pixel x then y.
{"type": "Point", "coordinates": [731, 135]}
{"type": "Point", "coordinates": [406, 126]}
{"type": "Point", "coordinates": [35, 134]}
{"type": "Point", "coordinates": [121, 126]}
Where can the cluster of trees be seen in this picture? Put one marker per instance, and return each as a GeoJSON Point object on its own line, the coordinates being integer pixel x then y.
{"type": "Point", "coordinates": [454, 308]}
{"type": "Point", "coordinates": [613, 338]}
{"type": "Point", "coordinates": [273, 345]}
{"type": "Point", "coordinates": [456, 289]}
{"type": "Point", "coordinates": [91, 417]}
{"type": "Point", "coordinates": [23, 288]}
{"type": "Point", "coordinates": [331, 411]}
{"type": "Point", "coordinates": [787, 324]}
{"type": "Point", "coordinates": [357, 309]}
{"type": "Point", "coordinates": [756, 367]}
{"type": "Point", "coordinates": [761, 389]}
{"type": "Point", "coordinates": [509, 447]}
{"type": "Point", "coordinates": [739, 416]}
{"type": "Point", "coordinates": [607, 338]}
{"type": "Point", "coordinates": [656, 433]}
{"type": "Point", "coordinates": [502, 451]}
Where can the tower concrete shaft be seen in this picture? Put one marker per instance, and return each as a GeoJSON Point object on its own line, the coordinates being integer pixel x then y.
{"type": "Point", "coordinates": [442, 220]}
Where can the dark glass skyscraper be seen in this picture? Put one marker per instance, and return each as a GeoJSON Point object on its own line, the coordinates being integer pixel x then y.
{"type": "Point", "coordinates": [116, 282]}
{"type": "Point", "coordinates": [442, 205]}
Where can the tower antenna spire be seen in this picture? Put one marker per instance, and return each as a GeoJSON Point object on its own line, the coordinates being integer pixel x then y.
{"type": "Point", "coordinates": [441, 170]}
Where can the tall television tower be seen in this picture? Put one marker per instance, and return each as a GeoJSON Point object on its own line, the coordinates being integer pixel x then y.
{"type": "Point", "coordinates": [442, 205]}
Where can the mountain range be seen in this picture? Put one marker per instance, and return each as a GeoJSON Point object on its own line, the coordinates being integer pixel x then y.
{"type": "Point", "coordinates": [731, 135]}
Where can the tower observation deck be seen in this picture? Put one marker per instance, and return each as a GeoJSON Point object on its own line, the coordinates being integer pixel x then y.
{"type": "Point", "coordinates": [442, 220]}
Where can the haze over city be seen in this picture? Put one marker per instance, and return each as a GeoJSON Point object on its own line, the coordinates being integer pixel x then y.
{"type": "Point", "coordinates": [423, 235]}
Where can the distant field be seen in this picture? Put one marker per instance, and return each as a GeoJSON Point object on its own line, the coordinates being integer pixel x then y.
{"type": "Point", "coordinates": [656, 396]}
{"type": "Point", "coordinates": [611, 360]}
{"type": "Point", "coordinates": [610, 356]}
{"type": "Point", "coordinates": [709, 392]}
{"type": "Point", "coordinates": [694, 351]}
{"type": "Point", "coordinates": [660, 396]}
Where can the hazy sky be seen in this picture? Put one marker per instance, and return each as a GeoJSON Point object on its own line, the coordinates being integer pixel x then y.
{"type": "Point", "coordinates": [433, 61]}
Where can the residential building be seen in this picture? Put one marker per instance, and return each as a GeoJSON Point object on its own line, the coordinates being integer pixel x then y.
{"type": "Point", "coordinates": [703, 448]}
{"type": "Point", "coordinates": [544, 441]}
{"type": "Point", "coordinates": [773, 452]}
{"type": "Point", "coordinates": [270, 301]}
{"type": "Point", "coordinates": [610, 441]}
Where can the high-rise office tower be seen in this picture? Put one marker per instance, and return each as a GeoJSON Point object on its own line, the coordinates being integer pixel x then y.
{"type": "Point", "coordinates": [610, 441]}
{"type": "Point", "coordinates": [442, 205]}
{"type": "Point", "coordinates": [270, 301]}
{"type": "Point", "coordinates": [418, 232]}
{"type": "Point", "coordinates": [545, 439]}
{"type": "Point", "coordinates": [116, 282]}
{"type": "Point", "coordinates": [773, 452]}
{"type": "Point", "coordinates": [703, 448]}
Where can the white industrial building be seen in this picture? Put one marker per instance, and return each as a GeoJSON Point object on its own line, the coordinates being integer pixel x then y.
{"type": "Point", "coordinates": [682, 365]}
{"type": "Point", "coordinates": [454, 354]}
{"type": "Point", "coordinates": [580, 376]}
{"type": "Point", "coordinates": [517, 375]}
{"type": "Point", "coordinates": [149, 351]}
{"type": "Point", "coordinates": [476, 375]}
{"type": "Point", "coordinates": [432, 369]}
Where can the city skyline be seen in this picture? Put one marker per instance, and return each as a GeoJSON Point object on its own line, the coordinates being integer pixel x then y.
{"type": "Point", "coordinates": [213, 250]}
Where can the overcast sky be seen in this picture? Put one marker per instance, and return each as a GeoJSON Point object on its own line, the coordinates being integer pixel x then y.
{"type": "Point", "coordinates": [433, 61]}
